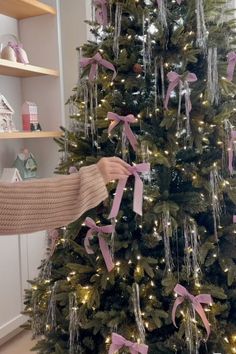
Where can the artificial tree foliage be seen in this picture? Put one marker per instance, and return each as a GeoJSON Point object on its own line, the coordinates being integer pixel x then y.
{"type": "Point", "coordinates": [178, 186]}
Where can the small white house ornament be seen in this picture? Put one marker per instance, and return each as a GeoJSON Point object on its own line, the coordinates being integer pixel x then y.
{"type": "Point", "coordinates": [11, 175]}
{"type": "Point", "coordinates": [6, 116]}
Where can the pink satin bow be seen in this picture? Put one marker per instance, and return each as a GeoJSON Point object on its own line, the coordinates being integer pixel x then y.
{"type": "Point", "coordinates": [20, 53]}
{"type": "Point", "coordinates": [230, 150]}
{"type": "Point", "coordinates": [179, 1]}
{"type": "Point", "coordinates": [119, 342]}
{"type": "Point", "coordinates": [102, 243]}
{"type": "Point", "coordinates": [101, 12]}
{"type": "Point", "coordinates": [231, 65]}
{"type": "Point", "coordinates": [116, 119]}
{"type": "Point", "coordinates": [138, 190]}
{"type": "Point", "coordinates": [196, 302]}
{"type": "Point", "coordinates": [175, 80]}
{"type": "Point", "coordinates": [94, 62]}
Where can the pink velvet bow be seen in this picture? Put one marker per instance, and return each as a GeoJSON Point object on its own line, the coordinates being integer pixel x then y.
{"type": "Point", "coordinates": [101, 12]}
{"type": "Point", "coordinates": [175, 80]}
{"type": "Point", "coordinates": [230, 151]}
{"type": "Point", "coordinates": [20, 52]}
{"type": "Point", "coordinates": [116, 119]}
{"type": "Point", "coordinates": [102, 243]}
{"type": "Point", "coordinates": [138, 190]}
{"type": "Point", "coordinates": [231, 65]}
{"type": "Point", "coordinates": [94, 62]}
{"type": "Point", "coordinates": [196, 302]}
{"type": "Point", "coordinates": [119, 342]}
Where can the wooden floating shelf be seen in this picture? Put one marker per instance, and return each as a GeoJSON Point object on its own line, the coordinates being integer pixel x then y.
{"type": "Point", "coordinates": [30, 135]}
{"type": "Point", "coordinates": [20, 9]}
{"type": "Point", "coordinates": [11, 68]}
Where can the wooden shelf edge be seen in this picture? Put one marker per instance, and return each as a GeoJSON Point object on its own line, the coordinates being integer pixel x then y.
{"type": "Point", "coordinates": [11, 68]}
{"type": "Point", "coordinates": [30, 135]}
{"type": "Point", "coordinates": [21, 9]}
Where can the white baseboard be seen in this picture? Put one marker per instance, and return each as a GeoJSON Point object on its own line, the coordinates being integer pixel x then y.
{"type": "Point", "coordinates": [11, 328]}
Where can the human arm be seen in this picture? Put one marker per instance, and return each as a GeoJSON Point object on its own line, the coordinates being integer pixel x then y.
{"type": "Point", "coordinates": [49, 203]}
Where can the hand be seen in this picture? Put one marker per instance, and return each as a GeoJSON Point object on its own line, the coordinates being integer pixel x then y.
{"type": "Point", "coordinates": [112, 168]}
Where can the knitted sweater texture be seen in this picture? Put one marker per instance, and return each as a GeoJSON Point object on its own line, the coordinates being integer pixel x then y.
{"type": "Point", "coordinates": [49, 203]}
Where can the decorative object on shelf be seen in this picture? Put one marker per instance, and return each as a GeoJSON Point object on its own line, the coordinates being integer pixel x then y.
{"type": "Point", "coordinates": [6, 116]}
{"type": "Point", "coordinates": [13, 51]}
{"type": "Point", "coordinates": [30, 117]}
{"type": "Point", "coordinates": [11, 175]}
{"type": "Point", "coordinates": [26, 164]}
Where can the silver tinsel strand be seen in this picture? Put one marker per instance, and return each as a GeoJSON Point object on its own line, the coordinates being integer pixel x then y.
{"type": "Point", "coordinates": [187, 108]}
{"type": "Point", "coordinates": [51, 313]}
{"type": "Point", "coordinates": [137, 312]}
{"type": "Point", "coordinates": [75, 347]}
{"type": "Point", "coordinates": [167, 234]}
{"type": "Point", "coordinates": [117, 30]}
{"type": "Point", "coordinates": [162, 13]}
{"type": "Point", "coordinates": [202, 33]}
{"type": "Point", "coordinates": [147, 44]}
{"type": "Point", "coordinates": [215, 180]}
{"type": "Point", "coordinates": [191, 331]}
{"type": "Point", "coordinates": [162, 79]}
{"type": "Point", "coordinates": [191, 248]}
{"type": "Point", "coordinates": [212, 76]}
{"type": "Point", "coordinates": [155, 83]}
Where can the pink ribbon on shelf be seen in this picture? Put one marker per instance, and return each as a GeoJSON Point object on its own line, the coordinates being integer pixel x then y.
{"type": "Point", "coordinates": [196, 302]}
{"type": "Point", "coordinates": [101, 12]}
{"type": "Point", "coordinates": [116, 119]}
{"type": "Point", "coordinates": [20, 52]}
{"type": "Point", "coordinates": [118, 342]}
{"type": "Point", "coordinates": [107, 229]}
{"type": "Point", "coordinates": [96, 60]}
{"type": "Point", "coordinates": [231, 65]}
{"type": "Point", "coordinates": [175, 80]}
{"type": "Point", "coordinates": [230, 150]}
{"type": "Point", "coordinates": [138, 190]}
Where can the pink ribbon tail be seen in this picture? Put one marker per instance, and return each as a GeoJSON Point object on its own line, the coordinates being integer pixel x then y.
{"type": "Point", "coordinates": [101, 12]}
{"type": "Point", "coordinates": [231, 65]}
{"type": "Point", "coordinates": [106, 254]}
{"type": "Point", "coordinates": [234, 219]}
{"type": "Point", "coordinates": [174, 79]}
{"type": "Point", "coordinates": [118, 197]}
{"type": "Point", "coordinates": [131, 137]}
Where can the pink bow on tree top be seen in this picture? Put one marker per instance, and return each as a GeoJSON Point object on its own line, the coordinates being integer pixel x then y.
{"type": "Point", "coordinates": [101, 12]}
{"type": "Point", "coordinates": [138, 190]}
{"type": "Point", "coordinates": [126, 120]}
{"type": "Point", "coordinates": [95, 61]}
{"type": "Point", "coordinates": [118, 342]}
{"type": "Point", "coordinates": [178, 80]}
{"type": "Point", "coordinates": [195, 301]}
{"type": "Point", "coordinates": [95, 229]}
{"type": "Point", "coordinates": [231, 65]}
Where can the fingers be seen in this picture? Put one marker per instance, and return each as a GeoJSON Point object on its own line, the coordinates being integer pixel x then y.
{"type": "Point", "coordinates": [119, 161]}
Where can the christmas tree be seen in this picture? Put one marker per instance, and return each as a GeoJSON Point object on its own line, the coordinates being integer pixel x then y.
{"type": "Point", "coordinates": [155, 88]}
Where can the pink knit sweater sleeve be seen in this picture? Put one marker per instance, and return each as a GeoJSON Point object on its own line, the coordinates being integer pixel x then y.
{"type": "Point", "coordinates": [49, 203]}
